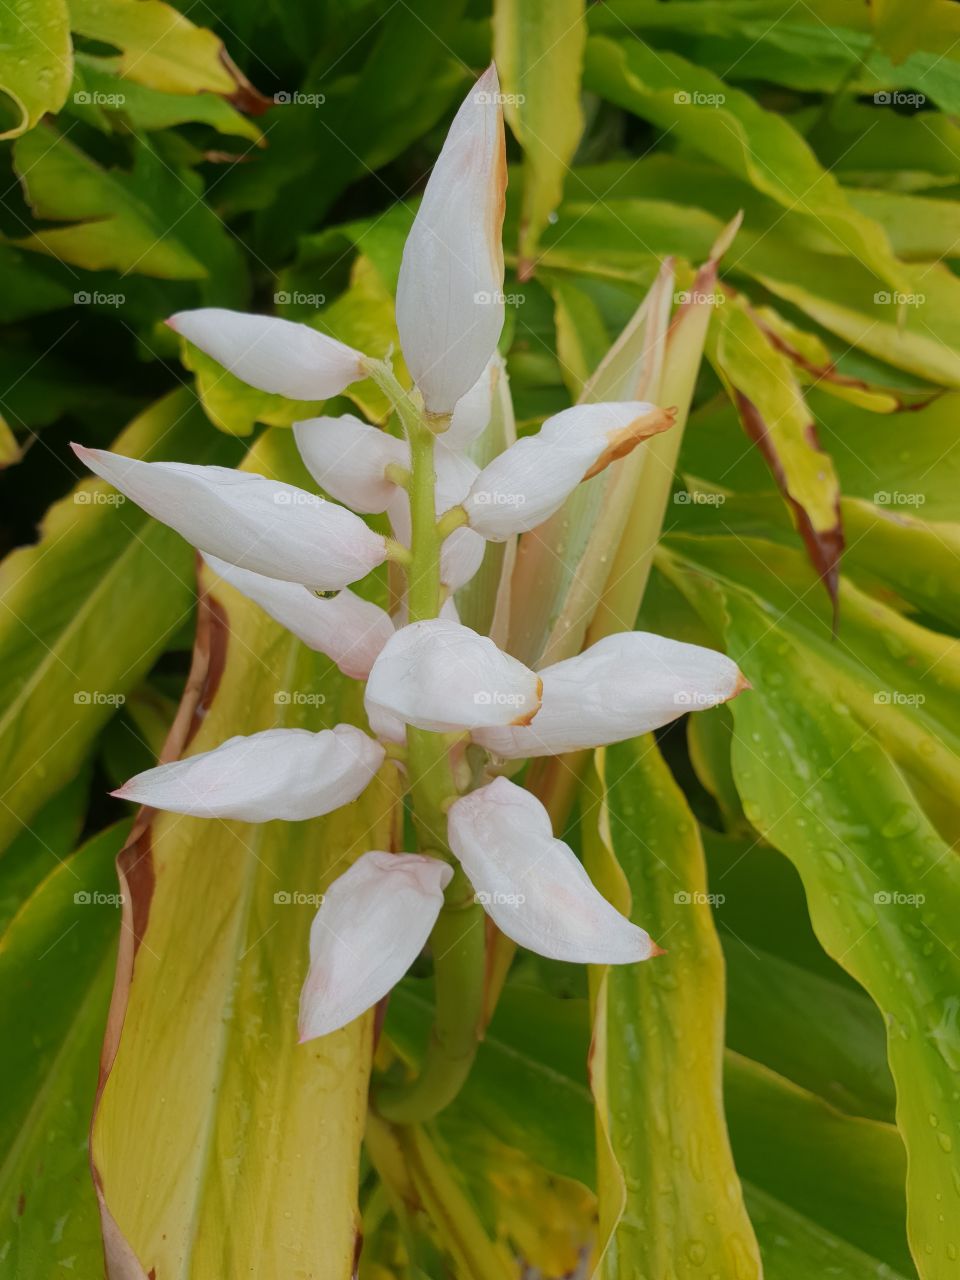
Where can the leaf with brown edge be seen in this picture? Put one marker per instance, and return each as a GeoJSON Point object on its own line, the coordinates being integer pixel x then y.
{"type": "Point", "coordinates": [220, 1146]}
{"type": "Point", "coordinates": [761, 382]}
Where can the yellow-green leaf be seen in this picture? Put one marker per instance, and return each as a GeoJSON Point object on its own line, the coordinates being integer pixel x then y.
{"type": "Point", "coordinates": [37, 60]}
{"type": "Point", "coordinates": [657, 1053]}
{"type": "Point", "coordinates": [539, 53]}
{"type": "Point", "coordinates": [222, 1147]}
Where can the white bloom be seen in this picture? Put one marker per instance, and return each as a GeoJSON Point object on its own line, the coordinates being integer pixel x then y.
{"type": "Point", "coordinates": [449, 293]}
{"type": "Point", "coordinates": [532, 885]}
{"type": "Point", "coordinates": [372, 925]}
{"type": "Point", "coordinates": [348, 458]}
{"type": "Point", "coordinates": [348, 629]}
{"type": "Point", "coordinates": [622, 686]}
{"type": "Point", "coordinates": [471, 413]}
{"type": "Point", "coordinates": [529, 481]}
{"type": "Point", "coordinates": [442, 676]}
{"type": "Point", "coordinates": [274, 355]}
{"type": "Point", "coordinates": [291, 774]}
{"type": "Point", "coordinates": [259, 524]}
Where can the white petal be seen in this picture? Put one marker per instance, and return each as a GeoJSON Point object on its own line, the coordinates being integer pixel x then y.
{"type": "Point", "coordinates": [442, 676]}
{"type": "Point", "coordinates": [348, 629]}
{"type": "Point", "coordinates": [348, 459]}
{"type": "Point", "coordinates": [260, 524]}
{"type": "Point", "coordinates": [291, 774]}
{"type": "Point", "coordinates": [450, 289]}
{"type": "Point", "coordinates": [621, 687]}
{"type": "Point", "coordinates": [529, 481]}
{"type": "Point", "coordinates": [372, 925]}
{"type": "Point", "coordinates": [471, 414]}
{"type": "Point", "coordinates": [532, 885]}
{"type": "Point", "coordinates": [271, 354]}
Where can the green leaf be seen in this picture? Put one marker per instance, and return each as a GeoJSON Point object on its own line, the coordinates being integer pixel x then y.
{"type": "Point", "coordinates": [726, 124]}
{"type": "Point", "coordinates": [657, 1049]}
{"type": "Point", "coordinates": [101, 571]}
{"type": "Point", "coordinates": [37, 62]}
{"type": "Point", "coordinates": [113, 215]}
{"type": "Point", "coordinates": [814, 760]}
{"type": "Point", "coordinates": [147, 108]}
{"type": "Point", "coordinates": [56, 967]}
{"type": "Point", "coordinates": [539, 53]}
{"type": "Point", "coordinates": [159, 47]}
{"type": "Point", "coordinates": [206, 1074]}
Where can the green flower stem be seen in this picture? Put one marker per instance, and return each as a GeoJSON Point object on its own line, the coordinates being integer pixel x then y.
{"type": "Point", "coordinates": [458, 939]}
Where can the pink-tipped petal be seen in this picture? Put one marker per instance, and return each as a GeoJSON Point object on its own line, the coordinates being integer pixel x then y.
{"type": "Point", "coordinates": [622, 686]}
{"type": "Point", "coordinates": [373, 923]}
{"type": "Point", "coordinates": [450, 289]}
{"type": "Point", "coordinates": [259, 524]}
{"type": "Point", "coordinates": [532, 885]}
{"type": "Point", "coordinates": [291, 774]}
{"type": "Point", "coordinates": [273, 355]}
{"type": "Point", "coordinates": [528, 482]}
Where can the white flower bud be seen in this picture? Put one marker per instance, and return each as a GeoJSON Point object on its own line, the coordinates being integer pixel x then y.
{"type": "Point", "coordinates": [346, 628]}
{"type": "Point", "coordinates": [529, 481]}
{"type": "Point", "coordinates": [273, 355]}
{"type": "Point", "coordinates": [622, 686]}
{"type": "Point", "coordinates": [442, 676]}
{"type": "Point", "coordinates": [291, 774]}
{"type": "Point", "coordinates": [259, 524]}
{"type": "Point", "coordinates": [372, 925]}
{"type": "Point", "coordinates": [532, 885]}
{"type": "Point", "coordinates": [472, 412]}
{"type": "Point", "coordinates": [450, 289]}
{"type": "Point", "coordinates": [348, 458]}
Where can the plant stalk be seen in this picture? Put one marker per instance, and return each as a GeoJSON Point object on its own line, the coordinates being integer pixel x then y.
{"type": "Point", "coordinates": [458, 937]}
